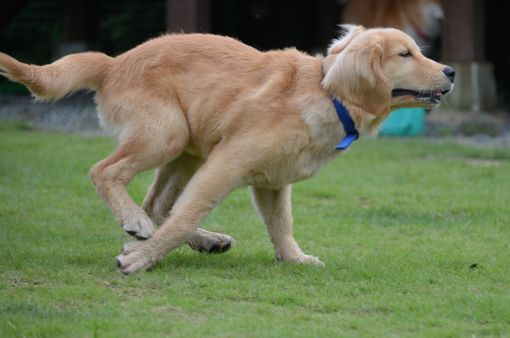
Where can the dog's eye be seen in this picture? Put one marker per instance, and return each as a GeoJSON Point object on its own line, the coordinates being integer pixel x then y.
{"type": "Point", "coordinates": [406, 54]}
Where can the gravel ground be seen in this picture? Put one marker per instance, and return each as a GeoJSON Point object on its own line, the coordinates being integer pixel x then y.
{"type": "Point", "coordinates": [74, 114]}
{"type": "Point", "coordinates": [77, 114]}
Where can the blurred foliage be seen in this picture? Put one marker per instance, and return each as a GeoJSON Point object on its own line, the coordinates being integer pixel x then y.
{"type": "Point", "coordinates": [35, 31]}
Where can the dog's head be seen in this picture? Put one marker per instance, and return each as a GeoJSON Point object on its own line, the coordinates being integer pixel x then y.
{"type": "Point", "coordinates": [381, 69]}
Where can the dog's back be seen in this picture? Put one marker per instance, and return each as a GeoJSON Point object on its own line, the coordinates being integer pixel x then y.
{"type": "Point", "coordinates": [190, 62]}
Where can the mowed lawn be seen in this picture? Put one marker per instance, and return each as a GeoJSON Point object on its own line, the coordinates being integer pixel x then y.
{"type": "Point", "coordinates": [415, 235]}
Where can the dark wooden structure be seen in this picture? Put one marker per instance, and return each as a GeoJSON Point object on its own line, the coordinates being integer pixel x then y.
{"type": "Point", "coordinates": [464, 47]}
{"type": "Point", "coordinates": [188, 15]}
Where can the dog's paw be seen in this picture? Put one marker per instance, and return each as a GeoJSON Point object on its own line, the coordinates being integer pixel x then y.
{"type": "Point", "coordinates": [304, 259]}
{"type": "Point", "coordinates": [138, 227]}
{"type": "Point", "coordinates": [210, 242]}
{"type": "Point", "coordinates": [312, 260]}
{"type": "Point", "coordinates": [138, 255]}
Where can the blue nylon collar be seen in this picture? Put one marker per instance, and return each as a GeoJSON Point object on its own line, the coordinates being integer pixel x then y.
{"type": "Point", "coordinates": [349, 127]}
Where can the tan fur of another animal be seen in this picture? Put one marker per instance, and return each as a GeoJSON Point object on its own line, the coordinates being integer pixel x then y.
{"type": "Point", "coordinates": [421, 19]}
{"type": "Point", "coordinates": [213, 114]}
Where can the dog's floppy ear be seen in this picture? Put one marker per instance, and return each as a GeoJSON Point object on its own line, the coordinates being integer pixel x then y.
{"type": "Point", "coordinates": [346, 34]}
{"type": "Point", "coordinates": [356, 75]}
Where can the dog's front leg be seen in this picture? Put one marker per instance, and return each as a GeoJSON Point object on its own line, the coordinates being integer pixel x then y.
{"type": "Point", "coordinates": [275, 209]}
{"type": "Point", "coordinates": [209, 185]}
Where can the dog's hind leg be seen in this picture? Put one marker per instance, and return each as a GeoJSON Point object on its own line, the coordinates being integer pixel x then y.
{"type": "Point", "coordinates": [143, 147]}
{"type": "Point", "coordinates": [169, 182]}
{"type": "Point", "coordinates": [210, 242]}
{"type": "Point", "coordinates": [274, 207]}
{"type": "Point", "coordinates": [212, 182]}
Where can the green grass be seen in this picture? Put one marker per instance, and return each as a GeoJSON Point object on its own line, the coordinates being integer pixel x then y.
{"type": "Point", "coordinates": [415, 235]}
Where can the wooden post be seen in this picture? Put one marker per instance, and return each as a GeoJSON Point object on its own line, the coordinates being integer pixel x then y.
{"type": "Point", "coordinates": [79, 26]}
{"type": "Point", "coordinates": [188, 15]}
{"type": "Point", "coordinates": [464, 30]}
{"type": "Point", "coordinates": [79, 20]}
{"type": "Point", "coordinates": [464, 49]}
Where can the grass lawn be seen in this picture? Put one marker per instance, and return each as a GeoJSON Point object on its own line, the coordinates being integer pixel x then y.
{"type": "Point", "coordinates": [415, 235]}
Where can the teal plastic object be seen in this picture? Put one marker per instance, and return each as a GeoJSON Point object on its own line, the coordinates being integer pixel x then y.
{"type": "Point", "coordinates": [404, 122]}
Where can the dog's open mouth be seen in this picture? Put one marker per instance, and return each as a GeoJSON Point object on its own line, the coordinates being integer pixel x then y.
{"type": "Point", "coordinates": [426, 96]}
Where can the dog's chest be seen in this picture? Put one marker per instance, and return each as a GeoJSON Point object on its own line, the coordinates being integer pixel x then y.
{"type": "Point", "coordinates": [324, 131]}
{"type": "Point", "coordinates": [276, 175]}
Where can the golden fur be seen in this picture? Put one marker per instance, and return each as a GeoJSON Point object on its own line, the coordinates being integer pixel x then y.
{"type": "Point", "coordinates": [212, 114]}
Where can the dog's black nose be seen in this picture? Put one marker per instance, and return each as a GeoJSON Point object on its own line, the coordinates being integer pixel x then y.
{"type": "Point", "coordinates": [450, 73]}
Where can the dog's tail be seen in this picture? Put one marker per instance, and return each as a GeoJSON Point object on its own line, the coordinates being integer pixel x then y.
{"type": "Point", "coordinates": [54, 81]}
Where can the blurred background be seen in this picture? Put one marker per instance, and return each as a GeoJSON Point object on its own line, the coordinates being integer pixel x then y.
{"type": "Point", "coordinates": [465, 34]}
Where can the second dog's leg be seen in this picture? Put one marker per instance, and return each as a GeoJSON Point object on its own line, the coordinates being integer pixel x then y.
{"type": "Point", "coordinates": [168, 184]}
{"type": "Point", "coordinates": [275, 208]}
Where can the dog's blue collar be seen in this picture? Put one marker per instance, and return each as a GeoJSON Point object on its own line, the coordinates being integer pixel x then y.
{"type": "Point", "coordinates": [349, 127]}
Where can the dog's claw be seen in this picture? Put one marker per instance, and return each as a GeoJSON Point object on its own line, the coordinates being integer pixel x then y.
{"type": "Point", "coordinates": [211, 242]}
{"type": "Point", "coordinates": [137, 255]}
{"type": "Point", "coordinates": [140, 228]}
{"type": "Point", "coordinates": [221, 247]}
{"type": "Point", "coordinates": [304, 259]}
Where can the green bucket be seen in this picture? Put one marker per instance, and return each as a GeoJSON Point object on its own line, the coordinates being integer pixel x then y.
{"type": "Point", "coordinates": [404, 122]}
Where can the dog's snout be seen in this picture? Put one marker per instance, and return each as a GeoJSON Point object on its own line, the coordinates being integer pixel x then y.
{"type": "Point", "coordinates": [450, 73]}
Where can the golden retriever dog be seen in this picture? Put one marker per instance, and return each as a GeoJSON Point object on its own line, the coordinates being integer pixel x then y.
{"type": "Point", "coordinates": [213, 114]}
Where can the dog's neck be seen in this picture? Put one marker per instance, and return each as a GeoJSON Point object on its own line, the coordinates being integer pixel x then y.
{"type": "Point", "coordinates": [366, 122]}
